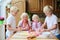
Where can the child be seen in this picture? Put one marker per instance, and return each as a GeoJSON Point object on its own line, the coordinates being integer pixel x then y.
{"type": "Point", "coordinates": [51, 21]}
{"type": "Point", "coordinates": [36, 25]}
{"type": "Point", "coordinates": [24, 23]}
{"type": "Point", "coordinates": [11, 23]}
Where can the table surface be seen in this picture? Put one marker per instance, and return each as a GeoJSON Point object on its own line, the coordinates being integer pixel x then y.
{"type": "Point", "coordinates": [24, 34]}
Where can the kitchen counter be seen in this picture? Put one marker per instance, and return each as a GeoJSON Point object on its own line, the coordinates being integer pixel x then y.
{"type": "Point", "coordinates": [23, 36]}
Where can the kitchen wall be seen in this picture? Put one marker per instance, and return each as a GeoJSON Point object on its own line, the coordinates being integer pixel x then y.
{"type": "Point", "coordinates": [21, 4]}
{"type": "Point", "coordinates": [3, 4]}
{"type": "Point", "coordinates": [3, 7]}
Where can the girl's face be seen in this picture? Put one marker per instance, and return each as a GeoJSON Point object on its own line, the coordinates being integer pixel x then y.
{"type": "Point", "coordinates": [35, 19]}
{"type": "Point", "coordinates": [25, 19]}
{"type": "Point", "coordinates": [14, 13]}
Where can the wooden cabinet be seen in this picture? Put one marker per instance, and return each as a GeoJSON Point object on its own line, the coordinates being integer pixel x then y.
{"type": "Point", "coordinates": [34, 6]}
{"type": "Point", "coordinates": [57, 6]}
{"type": "Point", "coordinates": [48, 2]}
{"type": "Point", "coordinates": [21, 6]}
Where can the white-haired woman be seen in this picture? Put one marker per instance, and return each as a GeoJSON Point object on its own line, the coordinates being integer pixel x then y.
{"type": "Point", "coordinates": [24, 24]}
{"type": "Point", "coordinates": [51, 21]}
{"type": "Point", "coordinates": [11, 23]}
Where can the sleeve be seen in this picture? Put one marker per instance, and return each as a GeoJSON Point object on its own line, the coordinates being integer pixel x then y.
{"type": "Point", "coordinates": [9, 20]}
{"type": "Point", "coordinates": [45, 20]}
{"type": "Point", "coordinates": [20, 23]}
{"type": "Point", "coordinates": [55, 20]}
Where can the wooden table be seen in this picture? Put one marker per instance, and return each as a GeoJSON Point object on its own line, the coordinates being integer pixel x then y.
{"type": "Point", "coordinates": [23, 36]}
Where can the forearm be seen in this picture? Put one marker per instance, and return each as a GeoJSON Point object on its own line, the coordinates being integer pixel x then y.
{"type": "Point", "coordinates": [43, 26]}
{"type": "Point", "coordinates": [53, 27]}
{"type": "Point", "coordinates": [10, 28]}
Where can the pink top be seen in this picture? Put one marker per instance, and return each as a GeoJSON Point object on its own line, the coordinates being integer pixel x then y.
{"type": "Point", "coordinates": [36, 26]}
{"type": "Point", "coordinates": [23, 26]}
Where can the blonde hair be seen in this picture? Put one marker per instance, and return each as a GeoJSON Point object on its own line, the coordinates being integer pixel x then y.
{"type": "Point", "coordinates": [13, 8]}
{"type": "Point", "coordinates": [23, 15]}
{"type": "Point", "coordinates": [34, 16]}
{"type": "Point", "coordinates": [47, 8]}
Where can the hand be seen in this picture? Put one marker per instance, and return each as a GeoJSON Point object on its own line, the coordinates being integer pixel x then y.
{"type": "Point", "coordinates": [42, 30]}
{"type": "Point", "coordinates": [18, 29]}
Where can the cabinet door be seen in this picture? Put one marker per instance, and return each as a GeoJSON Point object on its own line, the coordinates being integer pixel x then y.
{"type": "Point", "coordinates": [34, 6]}
{"type": "Point", "coordinates": [57, 6]}
{"type": "Point", "coordinates": [21, 6]}
{"type": "Point", "coordinates": [48, 2]}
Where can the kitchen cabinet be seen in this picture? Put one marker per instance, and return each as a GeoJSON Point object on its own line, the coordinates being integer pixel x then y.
{"type": "Point", "coordinates": [48, 2]}
{"type": "Point", "coordinates": [21, 6]}
{"type": "Point", "coordinates": [34, 6]}
{"type": "Point", "coordinates": [57, 6]}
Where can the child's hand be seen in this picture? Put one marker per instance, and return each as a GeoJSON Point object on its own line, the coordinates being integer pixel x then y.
{"type": "Point", "coordinates": [18, 29]}
{"type": "Point", "coordinates": [25, 28]}
{"type": "Point", "coordinates": [42, 30]}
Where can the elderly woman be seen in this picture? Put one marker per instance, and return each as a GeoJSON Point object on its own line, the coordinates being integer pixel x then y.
{"type": "Point", "coordinates": [24, 24]}
{"type": "Point", "coordinates": [11, 23]}
{"type": "Point", "coordinates": [51, 21]}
